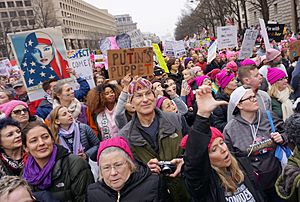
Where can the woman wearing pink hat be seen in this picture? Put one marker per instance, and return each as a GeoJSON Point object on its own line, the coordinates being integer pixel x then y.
{"type": "Point", "coordinates": [121, 179]}
{"type": "Point", "coordinates": [280, 93]}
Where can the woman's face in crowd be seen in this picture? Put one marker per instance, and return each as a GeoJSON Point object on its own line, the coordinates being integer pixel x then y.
{"type": "Point", "coordinates": [232, 85]}
{"type": "Point", "coordinates": [248, 102]}
{"type": "Point", "coordinates": [168, 106]}
{"type": "Point", "coordinates": [177, 62]}
{"type": "Point", "coordinates": [67, 93]}
{"type": "Point", "coordinates": [20, 114]}
{"type": "Point", "coordinates": [282, 83]}
{"type": "Point", "coordinates": [3, 98]}
{"type": "Point", "coordinates": [219, 154]}
{"type": "Point", "coordinates": [43, 54]}
{"type": "Point", "coordinates": [186, 75]}
{"type": "Point", "coordinates": [158, 90]}
{"type": "Point", "coordinates": [207, 82]}
{"type": "Point", "coordinates": [64, 117]}
{"type": "Point", "coordinates": [115, 170]}
{"type": "Point", "coordinates": [200, 58]}
{"type": "Point", "coordinates": [109, 95]}
{"type": "Point", "coordinates": [10, 138]}
{"type": "Point", "coordinates": [39, 143]}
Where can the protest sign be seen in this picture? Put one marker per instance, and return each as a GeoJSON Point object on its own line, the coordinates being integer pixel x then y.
{"type": "Point", "coordinates": [80, 61]}
{"type": "Point", "coordinates": [137, 39]}
{"type": "Point", "coordinates": [105, 45]}
{"type": "Point", "coordinates": [137, 61]}
{"type": "Point", "coordinates": [275, 32]}
{"type": "Point", "coordinates": [227, 37]}
{"type": "Point", "coordinates": [41, 54]}
{"type": "Point", "coordinates": [248, 43]}
{"type": "Point", "coordinates": [264, 33]}
{"type": "Point", "coordinates": [148, 43]}
{"type": "Point", "coordinates": [212, 52]}
{"type": "Point", "coordinates": [168, 48]}
{"type": "Point", "coordinates": [5, 66]}
{"type": "Point", "coordinates": [160, 58]}
{"type": "Point", "coordinates": [179, 48]}
{"type": "Point", "coordinates": [123, 41]}
{"type": "Point", "coordinates": [294, 48]}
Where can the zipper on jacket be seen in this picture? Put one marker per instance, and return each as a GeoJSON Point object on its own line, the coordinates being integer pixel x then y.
{"type": "Point", "coordinates": [119, 195]}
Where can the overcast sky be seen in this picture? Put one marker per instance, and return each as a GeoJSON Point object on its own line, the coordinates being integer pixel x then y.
{"type": "Point", "coordinates": [156, 16]}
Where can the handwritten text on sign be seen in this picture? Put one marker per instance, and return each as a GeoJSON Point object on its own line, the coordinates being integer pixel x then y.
{"type": "Point", "coordinates": [137, 61]}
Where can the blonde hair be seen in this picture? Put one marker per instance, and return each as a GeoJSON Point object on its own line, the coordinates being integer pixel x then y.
{"type": "Point", "coordinates": [8, 184]}
{"type": "Point", "coordinates": [273, 90]}
{"type": "Point", "coordinates": [231, 179]}
{"type": "Point", "coordinates": [53, 126]}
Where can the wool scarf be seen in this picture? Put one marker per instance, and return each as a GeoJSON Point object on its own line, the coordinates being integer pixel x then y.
{"type": "Point", "coordinates": [14, 166]}
{"type": "Point", "coordinates": [74, 108]}
{"type": "Point", "coordinates": [72, 132]}
{"type": "Point", "coordinates": [286, 103]}
{"type": "Point", "coordinates": [36, 176]}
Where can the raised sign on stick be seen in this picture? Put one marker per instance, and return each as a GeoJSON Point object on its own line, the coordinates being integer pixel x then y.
{"type": "Point", "coordinates": [137, 61]}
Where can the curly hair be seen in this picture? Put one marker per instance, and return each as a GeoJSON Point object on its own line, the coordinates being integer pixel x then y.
{"type": "Point", "coordinates": [292, 127]}
{"type": "Point", "coordinates": [95, 98]}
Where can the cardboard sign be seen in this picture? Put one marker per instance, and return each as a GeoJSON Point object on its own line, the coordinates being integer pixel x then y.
{"type": "Point", "coordinates": [137, 39]}
{"type": "Point", "coordinates": [294, 49]}
{"type": "Point", "coordinates": [248, 43]}
{"type": "Point", "coordinates": [227, 37]}
{"type": "Point", "coordinates": [137, 61]}
{"type": "Point", "coordinates": [80, 61]}
{"type": "Point", "coordinates": [123, 41]}
{"type": "Point", "coordinates": [264, 33]}
{"type": "Point", "coordinates": [160, 58]}
{"type": "Point", "coordinates": [212, 52]}
{"type": "Point", "coordinates": [275, 32]}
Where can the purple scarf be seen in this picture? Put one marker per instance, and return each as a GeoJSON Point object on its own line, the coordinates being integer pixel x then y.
{"type": "Point", "coordinates": [72, 131]}
{"type": "Point", "coordinates": [40, 177]}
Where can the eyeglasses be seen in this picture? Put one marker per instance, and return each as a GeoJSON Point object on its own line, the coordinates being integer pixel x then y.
{"type": "Point", "coordinates": [142, 95]}
{"type": "Point", "coordinates": [251, 99]}
{"type": "Point", "coordinates": [117, 166]}
{"type": "Point", "coordinates": [19, 111]}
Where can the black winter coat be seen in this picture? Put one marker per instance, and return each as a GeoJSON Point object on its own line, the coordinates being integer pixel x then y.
{"type": "Point", "coordinates": [142, 186]}
{"type": "Point", "coordinates": [202, 181]}
{"type": "Point", "coordinates": [219, 115]}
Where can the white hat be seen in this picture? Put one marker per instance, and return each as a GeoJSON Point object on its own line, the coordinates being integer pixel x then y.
{"type": "Point", "coordinates": [236, 96]}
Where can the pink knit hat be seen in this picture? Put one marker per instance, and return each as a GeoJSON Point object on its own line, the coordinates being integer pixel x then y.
{"type": "Point", "coordinates": [138, 85]}
{"type": "Point", "coordinates": [232, 66]}
{"type": "Point", "coordinates": [199, 79]}
{"type": "Point", "coordinates": [119, 141]}
{"type": "Point", "coordinates": [214, 134]}
{"type": "Point", "coordinates": [275, 74]}
{"type": "Point", "coordinates": [160, 101]}
{"type": "Point", "coordinates": [272, 54]}
{"type": "Point", "coordinates": [7, 108]}
{"type": "Point", "coordinates": [212, 74]}
{"type": "Point", "coordinates": [247, 62]}
{"type": "Point", "coordinates": [230, 54]}
{"type": "Point", "coordinates": [224, 78]}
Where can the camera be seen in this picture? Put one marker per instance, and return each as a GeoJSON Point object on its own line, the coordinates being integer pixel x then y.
{"type": "Point", "coordinates": [167, 167]}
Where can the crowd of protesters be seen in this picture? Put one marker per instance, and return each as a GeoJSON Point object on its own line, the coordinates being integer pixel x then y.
{"type": "Point", "coordinates": [225, 130]}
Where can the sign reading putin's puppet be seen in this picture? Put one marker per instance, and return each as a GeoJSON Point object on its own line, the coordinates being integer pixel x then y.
{"type": "Point", "coordinates": [136, 61]}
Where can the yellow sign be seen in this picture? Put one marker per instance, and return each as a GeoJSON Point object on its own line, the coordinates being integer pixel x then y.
{"type": "Point", "coordinates": [160, 58]}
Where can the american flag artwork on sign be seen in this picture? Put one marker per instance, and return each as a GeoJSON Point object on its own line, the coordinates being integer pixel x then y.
{"type": "Point", "coordinates": [41, 60]}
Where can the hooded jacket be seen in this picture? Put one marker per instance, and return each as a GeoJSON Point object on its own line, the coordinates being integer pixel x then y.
{"type": "Point", "coordinates": [253, 140]}
{"type": "Point", "coordinates": [141, 186]}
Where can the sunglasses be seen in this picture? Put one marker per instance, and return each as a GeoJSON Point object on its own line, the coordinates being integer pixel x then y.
{"type": "Point", "coordinates": [19, 111]}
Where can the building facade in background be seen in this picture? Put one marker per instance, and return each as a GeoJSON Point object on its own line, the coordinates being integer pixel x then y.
{"type": "Point", "coordinates": [125, 23]}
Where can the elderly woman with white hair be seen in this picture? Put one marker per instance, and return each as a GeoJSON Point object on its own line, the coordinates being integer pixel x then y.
{"type": "Point", "coordinates": [249, 135]}
{"type": "Point", "coordinates": [120, 178]}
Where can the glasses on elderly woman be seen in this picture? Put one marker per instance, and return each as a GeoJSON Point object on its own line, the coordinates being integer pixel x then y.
{"type": "Point", "coordinates": [117, 166]}
{"type": "Point", "coordinates": [19, 111]}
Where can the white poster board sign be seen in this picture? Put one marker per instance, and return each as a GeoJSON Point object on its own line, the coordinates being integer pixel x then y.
{"type": "Point", "coordinates": [179, 49]}
{"type": "Point", "coordinates": [227, 37]}
{"type": "Point", "coordinates": [212, 52]}
{"type": "Point", "coordinates": [248, 43]}
{"type": "Point", "coordinates": [168, 48]}
{"type": "Point", "coordinates": [264, 33]}
{"type": "Point", "coordinates": [5, 66]}
{"type": "Point", "coordinates": [137, 39]}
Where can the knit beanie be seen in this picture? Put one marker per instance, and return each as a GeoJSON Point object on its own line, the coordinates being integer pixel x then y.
{"type": "Point", "coordinates": [119, 142]}
{"type": "Point", "coordinates": [224, 78]}
{"type": "Point", "coordinates": [232, 65]}
{"type": "Point", "coordinates": [7, 107]}
{"type": "Point", "coordinates": [230, 54]}
{"type": "Point", "coordinates": [139, 84]}
{"type": "Point", "coordinates": [186, 61]}
{"type": "Point", "coordinates": [214, 134]}
{"type": "Point", "coordinates": [199, 79]}
{"type": "Point", "coordinates": [274, 75]}
{"type": "Point", "coordinates": [160, 101]}
{"type": "Point", "coordinates": [272, 54]}
{"type": "Point", "coordinates": [213, 73]}
{"type": "Point", "coordinates": [247, 62]}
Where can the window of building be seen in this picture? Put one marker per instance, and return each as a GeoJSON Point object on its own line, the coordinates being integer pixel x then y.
{"type": "Point", "coordinates": [21, 13]}
{"type": "Point", "coordinates": [2, 5]}
{"type": "Point", "coordinates": [23, 22]}
{"type": "Point", "coordinates": [255, 15]}
{"type": "Point", "coordinates": [27, 3]}
{"type": "Point", "coordinates": [12, 14]}
{"type": "Point", "coordinates": [276, 9]}
{"type": "Point", "coordinates": [15, 23]}
{"type": "Point", "coordinates": [10, 4]}
{"type": "Point", "coordinates": [29, 13]}
{"type": "Point", "coordinates": [4, 15]}
{"type": "Point", "coordinates": [6, 24]}
{"type": "Point", "coordinates": [19, 3]}
{"type": "Point", "coordinates": [31, 22]}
